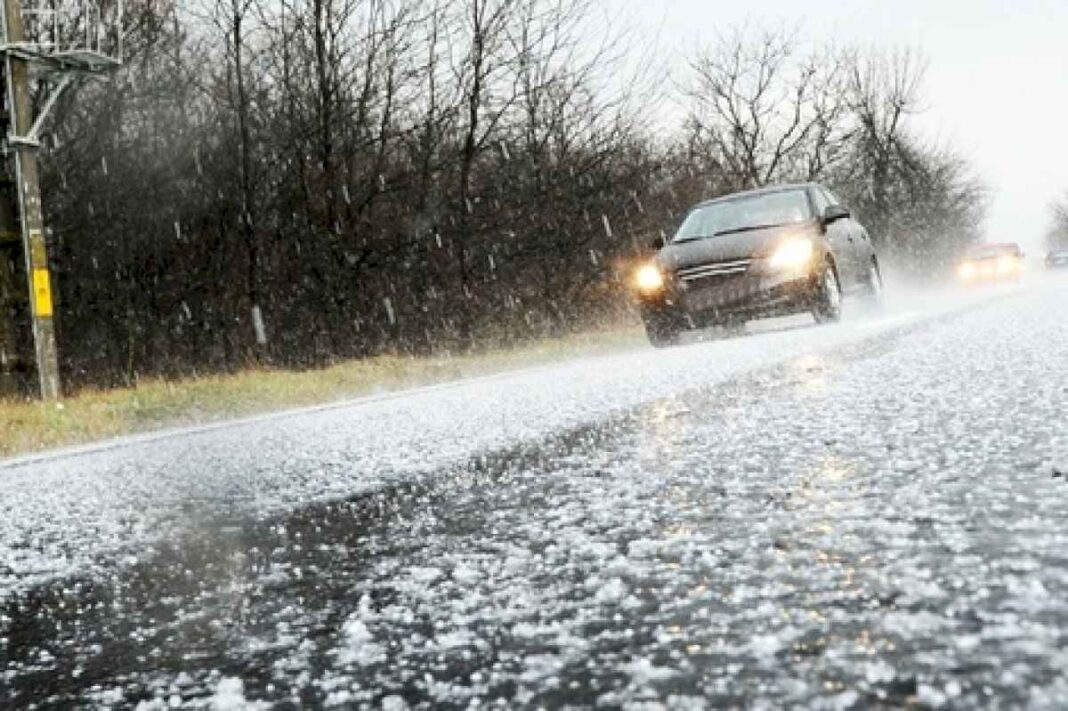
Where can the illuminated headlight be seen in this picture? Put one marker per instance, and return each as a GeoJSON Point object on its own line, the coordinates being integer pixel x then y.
{"type": "Point", "coordinates": [794, 253]}
{"type": "Point", "coordinates": [649, 279]}
{"type": "Point", "coordinates": [967, 271]}
{"type": "Point", "coordinates": [1008, 265]}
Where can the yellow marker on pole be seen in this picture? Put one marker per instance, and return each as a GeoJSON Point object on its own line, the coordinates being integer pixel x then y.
{"type": "Point", "coordinates": [42, 293]}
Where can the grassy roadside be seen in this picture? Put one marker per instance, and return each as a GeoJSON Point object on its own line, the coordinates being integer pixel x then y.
{"type": "Point", "coordinates": [93, 415]}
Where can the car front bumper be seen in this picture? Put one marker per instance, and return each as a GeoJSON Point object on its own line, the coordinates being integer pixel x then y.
{"type": "Point", "coordinates": [758, 293]}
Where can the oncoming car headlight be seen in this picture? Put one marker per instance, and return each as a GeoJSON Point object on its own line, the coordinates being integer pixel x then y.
{"type": "Point", "coordinates": [1008, 265]}
{"type": "Point", "coordinates": [649, 279]}
{"type": "Point", "coordinates": [794, 253]}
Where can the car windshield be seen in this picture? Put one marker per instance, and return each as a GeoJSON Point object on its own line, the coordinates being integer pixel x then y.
{"type": "Point", "coordinates": [992, 251]}
{"type": "Point", "coordinates": [785, 207]}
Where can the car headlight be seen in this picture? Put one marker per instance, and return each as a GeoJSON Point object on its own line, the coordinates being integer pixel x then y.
{"type": "Point", "coordinates": [1008, 265]}
{"type": "Point", "coordinates": [794, 253]}
{"type": "Point", "coordinates": [967, 271]}
{"type": "Point", "coordinates": [649, 279]}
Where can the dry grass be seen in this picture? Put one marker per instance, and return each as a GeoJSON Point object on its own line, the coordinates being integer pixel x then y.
{"type": "Point", "coordinates": [93, 415]}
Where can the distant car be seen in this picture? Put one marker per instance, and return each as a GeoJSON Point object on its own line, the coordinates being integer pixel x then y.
{"type": "Point", "coordinates": [994, 262]}
{"type": "Point", "coordinates": [1057, 259]}
{"type": "Point", "coordinates": [768, 252]}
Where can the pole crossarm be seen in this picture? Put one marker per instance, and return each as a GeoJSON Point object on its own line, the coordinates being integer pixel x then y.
{"type": "Point", "coordinates": [33, 137]}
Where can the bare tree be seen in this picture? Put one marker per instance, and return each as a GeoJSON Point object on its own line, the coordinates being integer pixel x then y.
{"type": "Point", "coordinates": [486, 93]}
{"type": "Point", "coordinates": [233, 20]}
{"type": "Point", "coordinates": [883, 94]}
{"type": "Point", "coordinates": [762, 111]}
{"type": "Point", "coordinates": [1057, 234]}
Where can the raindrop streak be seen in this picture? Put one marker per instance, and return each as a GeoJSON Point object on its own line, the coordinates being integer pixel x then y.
{"type": "Point", "coordinates": [389, 311]}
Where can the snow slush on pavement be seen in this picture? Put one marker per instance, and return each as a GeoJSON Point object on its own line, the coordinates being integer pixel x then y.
{"type": "Point", "coordinates": [873, 516]}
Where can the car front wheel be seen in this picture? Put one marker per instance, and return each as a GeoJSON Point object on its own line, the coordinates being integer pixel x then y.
{"type": "Point", "coordinates": [827, 306]}
{"type": "Point", "coordinates": [662, 332]}
{"type": "Point", "coordinates": [873, 286]}
{"type": "Point", "coordinates": [732, 328]}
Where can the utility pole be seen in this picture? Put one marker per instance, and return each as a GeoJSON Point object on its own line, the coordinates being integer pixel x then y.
{"type": "Point", "coordinates": [23, 144]}
{"type": "Point", "coordinates": [85, 39]}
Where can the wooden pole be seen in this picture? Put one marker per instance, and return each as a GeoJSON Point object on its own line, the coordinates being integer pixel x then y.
{"type": "Point", "coordinates": [31, 218]}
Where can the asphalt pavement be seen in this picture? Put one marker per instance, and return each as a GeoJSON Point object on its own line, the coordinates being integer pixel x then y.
{"type": "Point", "coordinates": [872, 514]}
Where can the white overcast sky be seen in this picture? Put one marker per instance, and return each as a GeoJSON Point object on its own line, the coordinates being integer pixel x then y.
{"type": "Point", "coordinates": [996, 85]}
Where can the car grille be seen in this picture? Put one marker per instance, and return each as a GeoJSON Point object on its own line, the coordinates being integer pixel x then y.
{"type": "Point", "coordinates": [715, 270]}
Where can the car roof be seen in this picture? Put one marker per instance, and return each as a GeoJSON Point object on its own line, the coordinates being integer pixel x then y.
{"type": "Point", "coordinates": [994, 247]}
{"type": "Point", "coordinates": [758, 191]}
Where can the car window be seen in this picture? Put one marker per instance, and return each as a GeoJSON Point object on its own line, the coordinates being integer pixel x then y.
{"type": "Point", "coordinates": [785, 207]}
{"type": "Point", "coordinates": [831, 196]}
{"type": "Point", "coordinates": [821, 201]}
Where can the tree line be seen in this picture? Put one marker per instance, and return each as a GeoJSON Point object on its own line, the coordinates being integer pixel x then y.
{"type": "Point", "coordinates": [1057, 234]}
{"type": "Point", "coordinates": [302, 181]}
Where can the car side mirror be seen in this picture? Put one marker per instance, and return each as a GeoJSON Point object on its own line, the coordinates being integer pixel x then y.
{"type": "Point", "coordinates": [657, 243]}
{"type": "Point", "coordinates": [833, 213]}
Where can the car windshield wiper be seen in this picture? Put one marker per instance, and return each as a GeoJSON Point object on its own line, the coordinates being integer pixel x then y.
{"type": "Point", "coordinates": [749, 228]}
{"type": "Point", "coordinates": [732, 231]}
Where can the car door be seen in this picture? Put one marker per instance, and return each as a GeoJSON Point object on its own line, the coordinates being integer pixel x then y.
{"type": "Point", "coordinates": [840, 234]}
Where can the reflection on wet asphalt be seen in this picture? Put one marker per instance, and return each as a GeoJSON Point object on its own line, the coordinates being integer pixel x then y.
{"type": "Point", "coordinates": [876, 526]}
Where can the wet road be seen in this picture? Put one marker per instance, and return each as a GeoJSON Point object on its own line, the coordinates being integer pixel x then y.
{"type": "Point", "coordinates": [867, 515]}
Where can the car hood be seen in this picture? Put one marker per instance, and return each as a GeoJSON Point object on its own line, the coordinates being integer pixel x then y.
{"type": "Point", "coordinates": [742, 245]}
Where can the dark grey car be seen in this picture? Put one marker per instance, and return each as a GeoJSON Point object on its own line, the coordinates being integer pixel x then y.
{"type": "Point", "coordinates": [1057, 259]}
{"type": "Point", "coordinates": [768, 252]}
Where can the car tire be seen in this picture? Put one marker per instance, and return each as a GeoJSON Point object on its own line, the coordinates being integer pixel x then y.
{"type": "Point", "coordinates": [873, 286]}
{"type": "Point", "coordinates": [827, 302]}
{"type": "Point", "coordinates": [733, 328]}
{"type": "Point", "coordinates": [662, 332]}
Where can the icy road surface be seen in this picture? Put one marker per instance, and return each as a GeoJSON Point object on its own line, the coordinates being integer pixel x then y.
{"type": "Point", "coordinates": [870, 514]}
